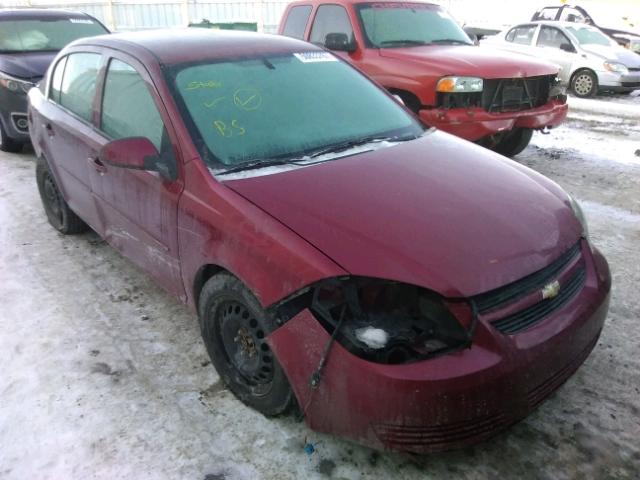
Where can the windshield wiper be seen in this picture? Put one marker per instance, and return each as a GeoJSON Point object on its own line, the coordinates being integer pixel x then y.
{"type": "Point", "coordinates": [253, 164]}
{"type": "Point", "coordinates": [449, 40]}
{"type": "Point", "coordinates": [403, 42]}
{"type": "Point", "coordinates": [339, 147]}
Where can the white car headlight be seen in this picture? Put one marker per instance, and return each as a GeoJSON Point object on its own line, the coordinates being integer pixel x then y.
{"type": "Point", "coordinates": [616, 67]}
{"type": "Point", "coordinates": [14, 84]}
{"type": "Point", "coordinates": [460, 84]}
{"type": "Point", "coordinates": [577, 210]}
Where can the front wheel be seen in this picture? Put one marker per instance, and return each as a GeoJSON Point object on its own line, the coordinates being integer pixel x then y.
{"type": "Point", "coordinates": [584, 84]}
{"type": "Point", "coordinates": [60, 216]}
{"type": "Point", "coordinates": [234, 328]}
{"type": "Point", "coordinates": [8, 144]}
{"type": "Point", "coordinates": [514, 142]}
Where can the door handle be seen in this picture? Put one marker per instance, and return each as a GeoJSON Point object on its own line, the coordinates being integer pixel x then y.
{"type": "Point", "coordinates": [97, 165]}
{"type": "Point", "coordinates": [49, 129]}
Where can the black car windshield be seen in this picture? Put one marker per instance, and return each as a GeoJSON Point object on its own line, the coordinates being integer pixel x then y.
{"type": "Point", "coordinates": [400, 24]}
{"type": "Point", "coordinates": [589, 35]}
{"type": "Point", "coordinates": [47, 34]}
{"type": "Point", "coordinates": [253, 111]}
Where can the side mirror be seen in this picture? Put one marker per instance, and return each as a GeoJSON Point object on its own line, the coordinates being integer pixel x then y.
{"type": "Point", "coordinates": [137, 153]}
{"type": "Point", "coordinates": [567, 47]}
{"type": "Point", "coordinates": [339, 42]}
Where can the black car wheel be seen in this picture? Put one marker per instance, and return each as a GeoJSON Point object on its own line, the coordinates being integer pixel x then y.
{"type": "Point", "coordinates": [60, 216]}
{"type": "Point", "coordinates": [514, 142]}
{"type": "Point", "coordinates": [234, 329]}
{"type": "Point", "coordinates": [584, 84]}
{"type": "Point", "coordinates": [8, 144]}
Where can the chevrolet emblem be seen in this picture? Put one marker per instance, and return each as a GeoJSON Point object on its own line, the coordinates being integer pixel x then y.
{"type": "Point", "coordinates": [551, 290]}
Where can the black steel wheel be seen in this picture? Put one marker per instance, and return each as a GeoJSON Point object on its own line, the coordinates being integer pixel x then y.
{"type": "Point", "coordinates": [60, 216]}
{"type": "Point", "coordinates": [234, 329]}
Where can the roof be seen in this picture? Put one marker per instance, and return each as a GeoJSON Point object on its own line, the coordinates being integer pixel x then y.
{"type": "Point", "coordinates": [181, 45]}
{"type": "Point", "coordinates": [36, 13]}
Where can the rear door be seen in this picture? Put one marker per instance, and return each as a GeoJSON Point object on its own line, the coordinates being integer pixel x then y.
{"type": "Point", "coordinates": [139, 208]}
{"type": "Point", "coordinates": [69, 134]}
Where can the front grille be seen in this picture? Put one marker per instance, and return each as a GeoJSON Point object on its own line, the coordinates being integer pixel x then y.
{"type": "Point", "coordinates": [528, 317]}
{"type": "Point", "coordinates": [489, 301]}
{"type": "Point", "coordinates": [516, 94]}
{"type": "Point", "coordinates": [440, 437]}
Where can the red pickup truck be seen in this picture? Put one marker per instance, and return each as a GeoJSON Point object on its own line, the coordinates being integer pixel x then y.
{"type": "Point", "coordinates": [419, 53]}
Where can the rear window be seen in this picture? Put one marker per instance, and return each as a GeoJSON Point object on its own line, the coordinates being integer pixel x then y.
{"type": "Point", "coordinates": [296, 22]}
{"type": "Point", "coordinates": [52, 34]}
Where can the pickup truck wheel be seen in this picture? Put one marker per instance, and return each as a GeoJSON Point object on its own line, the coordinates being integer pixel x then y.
{"type": "Point", "coordinates": [60, 216]}
{"type": "Point", "coordinates": [234, 328]}
{"type": "Point", "coordinates": [514, 142]}
{"type": "Point", "coordinates": [584, 84]}
{"type": "Point", "coordinates": [8, 144]}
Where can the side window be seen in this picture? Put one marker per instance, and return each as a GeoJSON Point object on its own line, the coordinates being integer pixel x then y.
{"type": "Point", "coordinates": [551, 37]}
{"type": "Point", "coordinates": [522, 35]}
{"type": "Point", "coordinates": [572, 15]}
{"type": "Point", "coordinates": [128, 109]}
{"type": "Point", "coordinates": [296, 22]}
{"type": "Point", "coordinates": [548, 13]}
{"type": "Point", "coordinates": [330, 19]}
{"type": "Point", "coordinates": [79, 83]}
{"type": "Point", "coordinates": [56, 80]}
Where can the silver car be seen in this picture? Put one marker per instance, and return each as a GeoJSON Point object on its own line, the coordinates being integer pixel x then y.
{"type": "Point", "coordinates": [590, 61]}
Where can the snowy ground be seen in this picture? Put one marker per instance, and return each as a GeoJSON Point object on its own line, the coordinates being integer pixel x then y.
{"type": "Point", "coordinates": [104, 375]}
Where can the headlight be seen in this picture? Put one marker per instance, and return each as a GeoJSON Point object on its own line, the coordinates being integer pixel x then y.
{"type": "Point", "coordinates": [577, 210]}
{"type": "Point", "coordinates": [460, 84]}
{"type": "Point", "coordinates": [384, 321]}
{"type": "Point", "coordinates": [14, 84]}
{"type": "Point", "coordinates": [616, 68]}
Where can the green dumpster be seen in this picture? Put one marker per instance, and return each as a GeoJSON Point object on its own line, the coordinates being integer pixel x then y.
{"type": "Point", "coordinates": [244, 26]}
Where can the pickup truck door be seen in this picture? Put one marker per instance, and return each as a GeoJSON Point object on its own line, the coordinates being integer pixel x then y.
{"type": "Point", "coordinates": [138, 207]}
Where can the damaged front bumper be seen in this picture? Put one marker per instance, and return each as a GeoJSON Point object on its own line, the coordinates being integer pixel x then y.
{"type": "Point", "coordinates": [475, 123]}
{"type": "Point", "coordinates": [446, 402]}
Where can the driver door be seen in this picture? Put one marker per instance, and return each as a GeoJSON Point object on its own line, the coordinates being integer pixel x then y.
{"type": "Point", "coordinates": [138, 208]}
{"type": "Point", "coordinates": [550, 40]}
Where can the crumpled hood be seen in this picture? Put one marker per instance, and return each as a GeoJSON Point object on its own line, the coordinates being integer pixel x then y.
{"type": "Point", "coordinates": [29, 65]}
{"type": "Point", "coordinates": [620, 55]}
{"type": "Point", "coordinates": [437, 212]}
{"type": "Point", "coordinates": [484, 62]}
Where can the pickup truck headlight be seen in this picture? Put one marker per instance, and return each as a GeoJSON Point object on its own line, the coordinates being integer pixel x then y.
{"type": "Point", "coordinates": [577, 210]}
{"type": "Point", "coordinates": [460, 84]}
{"type": "Point", "coordinates": [616, 68]}
{"type": "Point", "coordinates": [14, 84]}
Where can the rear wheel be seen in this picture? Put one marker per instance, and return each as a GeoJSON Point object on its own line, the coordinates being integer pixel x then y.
{"type": "Point", "coordinates": [514, 142]}
{"type": "Point", "coordinates": [584, 84]}
{"type": "Point", "coordinates": [60, 216]}
{"type": "Point", "coordinates": [8, 144]}
{"type": "Point", "coordinates": [234, 328]}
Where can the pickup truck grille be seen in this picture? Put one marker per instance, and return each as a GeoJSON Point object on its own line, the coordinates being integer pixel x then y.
{"type": "Point", "coordinates": [503, 95]}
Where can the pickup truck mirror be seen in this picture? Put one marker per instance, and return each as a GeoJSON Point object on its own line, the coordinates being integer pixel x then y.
{"type": "Point", "coordinates": [137, 153]}
{"type": "Point", "coordinates": [567, 47]}
{"type": "Point", "coordinates": [339, 42]}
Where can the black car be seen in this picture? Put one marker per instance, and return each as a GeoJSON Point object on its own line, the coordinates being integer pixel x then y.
{"type": "Point", "coordinates": [29, 41]}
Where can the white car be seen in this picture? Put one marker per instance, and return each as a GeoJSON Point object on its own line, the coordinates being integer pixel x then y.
{"type": "Point", "coordinates": [589, 60]}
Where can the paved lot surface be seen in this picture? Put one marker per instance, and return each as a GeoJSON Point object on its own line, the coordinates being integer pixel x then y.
{"type": "Point", "coordinates": [104, 375]}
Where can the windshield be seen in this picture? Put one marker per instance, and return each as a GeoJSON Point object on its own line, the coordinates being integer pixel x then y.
{"type": "Point", "coordinates": [589, 36]}
{"type": "Point", "coordinates": [45, 35]}
{"type": "Point", "coordinates": [286, 106]}
{"type": "Point", "coordinates": [388, 25]}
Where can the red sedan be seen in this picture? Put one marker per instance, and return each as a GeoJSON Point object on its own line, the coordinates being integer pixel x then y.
{"type": "Point", "coordinates": [397, 285]}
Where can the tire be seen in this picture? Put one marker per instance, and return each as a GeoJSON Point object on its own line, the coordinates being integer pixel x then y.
{"type": "Point", "coordinates": [60, 216]}
{"type": "Point", "coordinates": [234, 327]}
{"type": "Point", "coordinates": [584, 84]}
{"type": "Point", "coordinates": [514, 142]}
{"type": "Point", "coordinates": [8, 144]}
